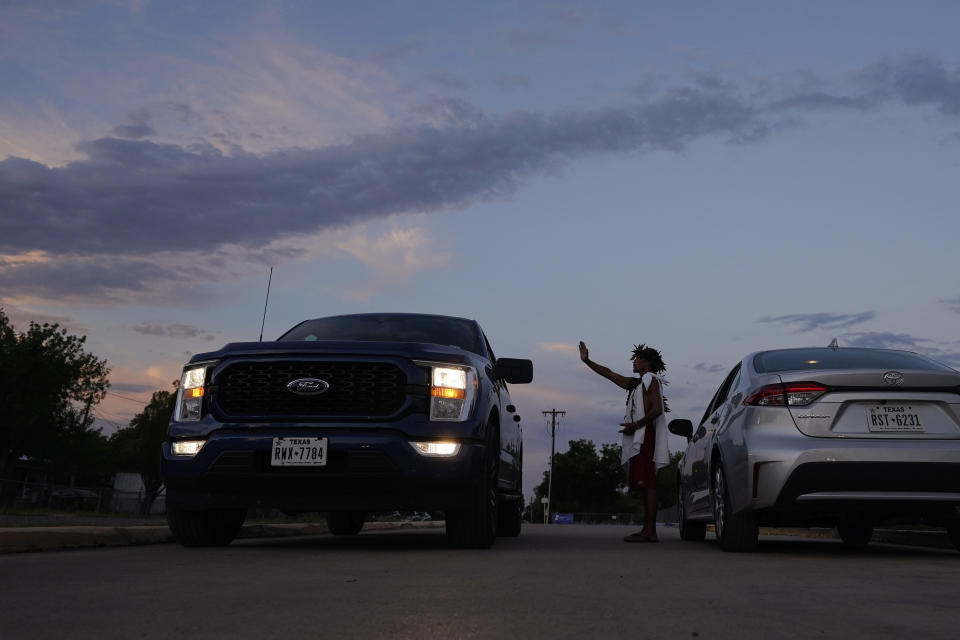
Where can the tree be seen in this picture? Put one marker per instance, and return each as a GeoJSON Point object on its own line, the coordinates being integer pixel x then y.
{"type": "Point", "coordinates": [137, 447]}
{"type": "Point", "coordinates": [48, 387]}
{"type": "Point", "coordinates": [585, 481]}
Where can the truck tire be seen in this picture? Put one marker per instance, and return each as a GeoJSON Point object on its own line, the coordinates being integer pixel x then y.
{"type": "Point", "coordinates": [206, 527]}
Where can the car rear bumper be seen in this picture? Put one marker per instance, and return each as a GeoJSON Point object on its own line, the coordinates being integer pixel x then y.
{"type": "Point", "coordinates": [367, 469]}
{"type": "Point", "coordinates": [823, 482]}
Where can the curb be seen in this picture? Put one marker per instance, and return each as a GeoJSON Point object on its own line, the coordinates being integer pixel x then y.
{"type": "Point", "coordinates": [21, 539]}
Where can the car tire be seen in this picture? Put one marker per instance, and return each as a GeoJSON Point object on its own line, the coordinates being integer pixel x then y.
{"type": "Point", "coordinates": [205, 528]}
{"type": "Point", "coordinates": [690, 530]}
{"type": "Point", "coordinates": [735, 532]}
{"type": "Point", "coordinates": [345, 523]}
{"type": "Point", "coordinates": [855, 533]}
{"type": "Point", "coordinates": [475, 527]}
{"type": "Point", "coordinates": [510, 516]}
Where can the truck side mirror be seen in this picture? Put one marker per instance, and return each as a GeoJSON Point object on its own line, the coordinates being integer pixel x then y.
{"type": "Point", "coordinates": [515, 370]}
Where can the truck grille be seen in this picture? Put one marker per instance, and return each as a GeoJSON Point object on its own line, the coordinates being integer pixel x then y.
{"type": "Point", "coordinates": [357, 389]}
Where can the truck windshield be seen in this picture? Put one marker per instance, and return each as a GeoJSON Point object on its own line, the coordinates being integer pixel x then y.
{"type": "Point", "coordinates": [454, 332]}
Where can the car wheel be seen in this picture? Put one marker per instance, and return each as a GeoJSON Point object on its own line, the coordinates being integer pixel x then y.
{"type": "Point", "coordinates": [953, 530]}
{"type": "Point", "coordinates": [735, 532]}
{"type": "Point", "coordinates": [475, 526]}
{"type": "Point", "coordinates": [205, 528]}
{"type": "Point", "coordinates": [855, 533]}
{"type": "Point", "coordinates": [689, 530]}
{"type": "Point", "coordinates": [345, 523]}
{"type": "Point", "coordinates": [510, 517]}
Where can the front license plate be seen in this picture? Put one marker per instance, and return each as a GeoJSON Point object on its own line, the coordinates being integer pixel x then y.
{"type": "Point", "coordinates": [299, 452]}
{"type": "Point", "coordinates": [894, 418]}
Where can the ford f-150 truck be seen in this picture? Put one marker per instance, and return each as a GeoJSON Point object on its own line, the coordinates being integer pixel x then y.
{"type": "Point", "coordinates": [348, 415]}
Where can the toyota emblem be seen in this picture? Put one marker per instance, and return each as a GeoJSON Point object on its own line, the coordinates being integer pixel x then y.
{"type": "Point", "coordinates": [308, 386]}
{"type": "Point", "coordinates": [893, 377]}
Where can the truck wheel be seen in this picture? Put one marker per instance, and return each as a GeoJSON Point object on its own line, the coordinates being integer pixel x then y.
{"type": "Point", "coordinates": [345, 523]}
{"type": "Point", "coordinates": [510, 516]}
{"type": "Point", "coordinates": [475, 526]}
{"type": "Point", "coordinates": [205, 528]}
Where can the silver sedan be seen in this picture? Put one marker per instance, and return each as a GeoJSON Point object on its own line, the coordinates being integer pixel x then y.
{"type": "Point", "coordinates": [836, 437]}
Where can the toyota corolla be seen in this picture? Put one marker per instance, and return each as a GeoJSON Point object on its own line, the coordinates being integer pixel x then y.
{"type": "Point", "coordinates": [834, 437]}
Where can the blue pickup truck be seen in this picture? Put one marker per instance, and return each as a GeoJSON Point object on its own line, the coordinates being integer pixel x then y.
{"type": "Point", "coordinates": [348, 415]}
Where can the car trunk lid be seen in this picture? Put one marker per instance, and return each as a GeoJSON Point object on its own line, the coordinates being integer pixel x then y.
{"type": "Point", "coordinates": [915, 405]}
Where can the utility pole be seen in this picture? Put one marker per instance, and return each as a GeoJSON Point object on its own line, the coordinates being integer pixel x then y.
{"type": "Point", "coordinates": [553, 413]}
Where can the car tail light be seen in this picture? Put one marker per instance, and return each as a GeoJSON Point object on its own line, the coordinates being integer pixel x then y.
{"type": "Point", "coordinates": [793, 394]}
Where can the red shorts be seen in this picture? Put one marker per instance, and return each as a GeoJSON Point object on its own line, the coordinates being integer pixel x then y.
{"type": "Point", "coordinates": [643, 472]}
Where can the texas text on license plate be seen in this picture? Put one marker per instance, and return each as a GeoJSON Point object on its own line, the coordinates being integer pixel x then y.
{"type": "Point", "coordinates": [298, 452]}
{"type": "Point", "coordinates": [894, 418]}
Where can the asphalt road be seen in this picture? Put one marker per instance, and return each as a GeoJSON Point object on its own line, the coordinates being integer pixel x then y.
{"type": "Point", "coordinates": [566, 581]}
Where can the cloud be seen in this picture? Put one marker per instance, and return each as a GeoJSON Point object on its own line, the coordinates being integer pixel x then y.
{"type": "Point", "coordinates": [557, 347]}
{"type": "Point", "coordinates": [819, 100]}
{"type": "Point", "coordinates": [393, 257]}
{"type": "Point", "coordinates": [129, 387]}
{"type": "Point", "coordinates": [72, 278]}
{"type": "Point", "coordinates": [174, 330]}
{"type": "Point", "coordinates": [103, 221]}
{"type": "Point", "coordinates": [815, 321]}
{"type": "Point", "coordinates": [514, 82]}
{"type": "Point", "coordinates": [128, 196]}
{"type": "Point", "coordinates": [916, 80]}
{"type": "Point", "coordinates": [111, 222]}
{"type": "Point", "coordinates": [21, 318]}
{"type": "Point", "coordinates": [953, 303]}
{"type": "Point", "coordinates": [882, 340]}
{"type": "Point", "coordinates": [710, 368]}
{"type": "Point", "coordinates": [905, 341]}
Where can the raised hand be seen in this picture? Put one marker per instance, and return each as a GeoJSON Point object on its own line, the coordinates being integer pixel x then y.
{"type": "Point", "coordinates": [584, 353]}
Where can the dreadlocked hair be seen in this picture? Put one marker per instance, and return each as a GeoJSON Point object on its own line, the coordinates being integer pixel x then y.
{"type": "Point", "coordinates": [651, 355]}
{"type": "Point", "coordinates": [657, 365]}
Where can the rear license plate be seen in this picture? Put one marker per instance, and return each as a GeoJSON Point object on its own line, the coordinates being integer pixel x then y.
{"type": "Point", "coordinates": [894, 418]}
{"type": "Point", "coordinates": [298, 452]}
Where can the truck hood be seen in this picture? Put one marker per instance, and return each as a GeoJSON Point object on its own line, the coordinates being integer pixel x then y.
{"type": "Point", "coordinates": [410, 350]}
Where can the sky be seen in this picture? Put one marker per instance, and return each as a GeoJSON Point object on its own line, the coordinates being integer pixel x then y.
{"type": "Point", "coordinates": [708, 178]}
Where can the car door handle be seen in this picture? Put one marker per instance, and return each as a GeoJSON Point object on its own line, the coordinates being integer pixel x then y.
{"type": "Point", "coordinates": [715, 419]}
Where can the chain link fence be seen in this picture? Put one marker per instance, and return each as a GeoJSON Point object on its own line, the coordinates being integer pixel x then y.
{"type": "Point", "coordinates": [17, 495]}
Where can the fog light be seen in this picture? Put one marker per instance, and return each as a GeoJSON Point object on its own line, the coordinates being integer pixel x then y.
{"type": "Point", "coordinates": [187, 448]}
{"type": "Point", "coordinates": [437, 449]}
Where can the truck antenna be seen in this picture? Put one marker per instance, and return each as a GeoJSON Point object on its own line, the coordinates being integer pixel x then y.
{"type": "Point", "coordinates": [265, 303]}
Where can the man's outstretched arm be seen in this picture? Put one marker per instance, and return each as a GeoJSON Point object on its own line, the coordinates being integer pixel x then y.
{"type": "Point", "coordinates": [616, 378]}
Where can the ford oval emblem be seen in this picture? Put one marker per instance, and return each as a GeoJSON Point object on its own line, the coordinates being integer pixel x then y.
{"type": "Point", "coordinates": [308, 386]}
{"type": "Point", "coordinates": [893, 377]}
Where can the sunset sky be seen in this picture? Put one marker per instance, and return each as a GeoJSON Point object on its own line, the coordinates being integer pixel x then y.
{"type": "Point", "coordinates": [708, 178]}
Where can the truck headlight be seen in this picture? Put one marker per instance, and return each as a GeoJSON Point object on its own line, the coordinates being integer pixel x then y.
{"type": "Point", "coordinates": [189, 407]}
{"type": "Point", "coordinates": [452, 391]}
{"type": "Point", "coordinates": [187, 448]}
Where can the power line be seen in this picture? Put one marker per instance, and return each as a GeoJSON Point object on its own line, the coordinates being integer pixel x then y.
{"type": "Point", "coordinates": [141, 402]}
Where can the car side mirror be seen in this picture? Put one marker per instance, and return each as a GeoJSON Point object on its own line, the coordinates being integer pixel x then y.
{"type": "Point", "coordinates": [515, 370]}
{"type": "Point", "coordinates": [681, 427]}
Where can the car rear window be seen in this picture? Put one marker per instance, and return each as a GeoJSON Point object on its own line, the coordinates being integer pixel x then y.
{"type": "Point", "coordinates": [843, 358]}
{"type": "Point", "coordinates": [454, 332]}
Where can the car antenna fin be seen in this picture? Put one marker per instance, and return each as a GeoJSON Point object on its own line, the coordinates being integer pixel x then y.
{"type": "Point", "coordinates": [834, 344]}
